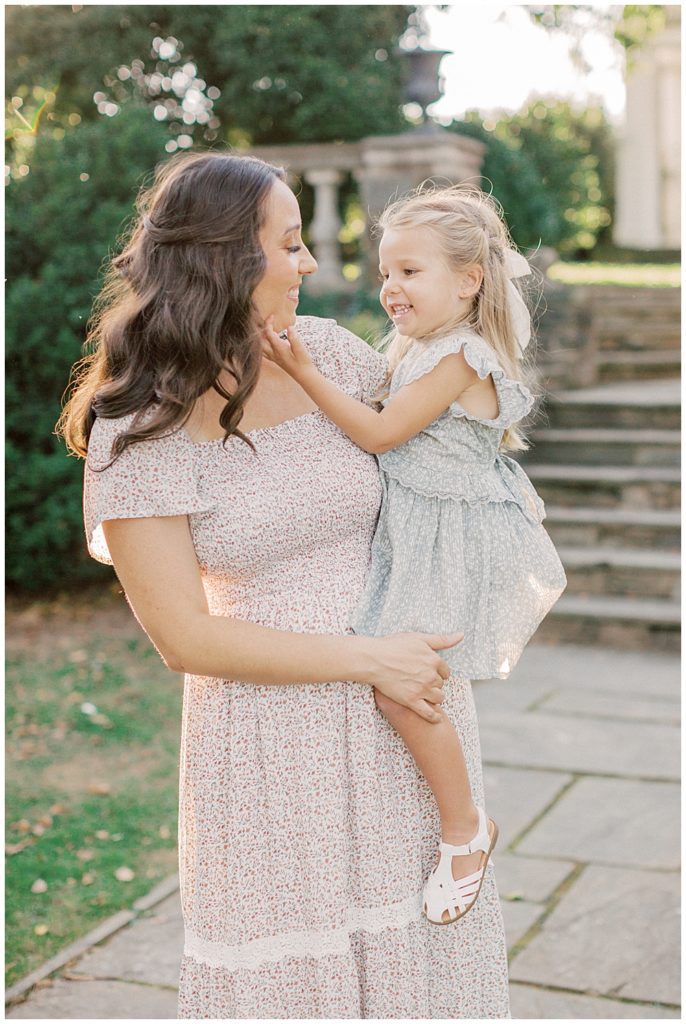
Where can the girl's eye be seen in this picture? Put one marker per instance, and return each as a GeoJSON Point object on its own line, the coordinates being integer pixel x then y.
{"type": "Point", "coordinates": [382, 277]}
{"type": "Point", "coordinates": [409, 271]}
{"type": "Point", "coordinates": [294, 248]}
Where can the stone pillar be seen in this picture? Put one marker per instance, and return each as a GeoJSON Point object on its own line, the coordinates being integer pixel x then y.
{"type": "Point", "coordinates": [649, 157]}
{"type": "Point", "coordinates": [324, 229]}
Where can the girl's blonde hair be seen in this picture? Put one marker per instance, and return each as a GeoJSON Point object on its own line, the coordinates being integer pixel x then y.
{"type": "Point", "coordinates": [469, 230]}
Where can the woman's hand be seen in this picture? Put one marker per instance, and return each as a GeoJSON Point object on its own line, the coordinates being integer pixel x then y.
{"type": "Point", "coordinates": [407, 668]}
{"type": "Point", "coordinates": [291, 355]}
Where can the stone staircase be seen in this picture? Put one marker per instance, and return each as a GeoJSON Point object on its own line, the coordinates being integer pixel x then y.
{"type": "Point", "coordinates": [606, 461]}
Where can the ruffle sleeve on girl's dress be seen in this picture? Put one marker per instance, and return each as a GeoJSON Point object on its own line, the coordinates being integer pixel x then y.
{"type": "Point", "coordinates": [150, 478]}
{"type": "Point", "coordinates": [514, 398]}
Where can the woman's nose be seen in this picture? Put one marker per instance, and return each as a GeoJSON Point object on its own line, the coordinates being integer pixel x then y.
{"type": "Point", "coordinates": [308, 264]}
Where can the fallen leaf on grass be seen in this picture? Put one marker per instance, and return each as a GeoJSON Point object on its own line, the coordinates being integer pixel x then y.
{"type": "Point", "coordinates": [124, 874]}
{"type": "Point", "coordinates": [99, 789]}
{"type": "Point", "coordinates": [102, 833]}
{"type": "Point", "coordinates": [41, 929]}
{"type": "Point", "coordinates": [71, 882]}
{"type": "Point", "coordinates": [21, 826]}
{"type": "Point", "coordinates": [103, 720]}
{"type": "Point", "coordinates": [85, 854]}
{"type": "Point", "coordinates": [38, 830]}
{"type": "Point", "coordinates": [12, 848]}
{"type": "Point", "coordinates": [87, 879]}
{"type": "Point", "coordinates": [40, 885]}
{"type": "Point", "coordinates": [58, 809]}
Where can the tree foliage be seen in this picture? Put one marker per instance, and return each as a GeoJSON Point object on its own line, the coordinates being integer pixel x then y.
{"type": "Point", "coordinates": [236, 72]}
{"type": "Point", "coordinates": [631, 25]}
{"type": "Point", "coordinates": [551, 166]}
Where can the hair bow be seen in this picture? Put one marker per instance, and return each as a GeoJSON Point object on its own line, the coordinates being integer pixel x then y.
{"type": "Point", "coordinates": [516, 266]}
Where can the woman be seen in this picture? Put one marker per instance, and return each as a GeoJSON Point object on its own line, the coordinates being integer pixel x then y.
{"type": "Point", "coordinates": [239, 522]}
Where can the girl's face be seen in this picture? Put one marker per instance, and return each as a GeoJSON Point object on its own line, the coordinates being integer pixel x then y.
{"type": "Point", "coordinates": [420, 292]}
{"type": "Point", "coordinates": [287, 258]}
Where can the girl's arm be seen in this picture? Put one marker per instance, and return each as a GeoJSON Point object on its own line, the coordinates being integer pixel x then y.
{"type": "Point", "coordinates": [413, 408]}
{"type": "Point", "coordinates": [156, 564]}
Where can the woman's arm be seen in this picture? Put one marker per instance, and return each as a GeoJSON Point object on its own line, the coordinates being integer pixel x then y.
{"type": "Point", "coordinates": [413, 408]}
{"type": "Point", "coordinates": [156, 564]}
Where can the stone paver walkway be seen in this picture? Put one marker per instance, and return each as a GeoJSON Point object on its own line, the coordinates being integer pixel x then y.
{"type": "Point", "coordinates": [581, 753]}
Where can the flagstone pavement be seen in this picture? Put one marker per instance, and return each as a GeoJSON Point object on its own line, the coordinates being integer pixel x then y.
{"type": "Point", "coordinates": [581, 755]}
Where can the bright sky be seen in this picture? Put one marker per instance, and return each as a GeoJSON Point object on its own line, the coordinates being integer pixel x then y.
{"type": "Point", "coordinates": [501, 58]}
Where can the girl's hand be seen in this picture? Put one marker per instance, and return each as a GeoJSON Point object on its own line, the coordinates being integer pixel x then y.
{"type": "Point", "coordinates": [291, 355]}
{"type": "Point", "coordinates": [407, 668]}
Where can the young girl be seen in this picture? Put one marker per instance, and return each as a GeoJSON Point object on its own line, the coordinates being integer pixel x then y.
{"type": "Point", "coordinates": [459, 542]}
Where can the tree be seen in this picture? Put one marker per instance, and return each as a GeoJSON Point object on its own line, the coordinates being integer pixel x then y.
{"type": "Point", "coordinates": [233, 72]}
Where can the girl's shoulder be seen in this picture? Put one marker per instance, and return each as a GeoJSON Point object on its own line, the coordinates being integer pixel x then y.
{"type": "Point", "coordinates": [340, 355]}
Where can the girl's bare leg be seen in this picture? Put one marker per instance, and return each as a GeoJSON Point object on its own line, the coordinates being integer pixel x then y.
{"type": "Point", "coordinates": [437, 752]}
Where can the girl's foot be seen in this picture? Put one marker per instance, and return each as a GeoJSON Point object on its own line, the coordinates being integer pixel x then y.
{"type": "Point", "coordinates": [454, 884]}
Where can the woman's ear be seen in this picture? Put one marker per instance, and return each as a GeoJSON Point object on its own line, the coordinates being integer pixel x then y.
{"type": "Point", "coordinates": [470, 282]}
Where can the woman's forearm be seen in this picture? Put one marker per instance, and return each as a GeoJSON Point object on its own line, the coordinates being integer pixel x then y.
{"type": "Point", "coordinates": [227, 648]}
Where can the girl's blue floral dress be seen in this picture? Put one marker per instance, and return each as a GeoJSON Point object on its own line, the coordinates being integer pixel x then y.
{"type": "Point", "coordinates": [459, 544]}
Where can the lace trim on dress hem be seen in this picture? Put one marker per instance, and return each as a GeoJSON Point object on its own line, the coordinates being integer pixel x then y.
{"type": "Point", "coordinates": [251, 955]}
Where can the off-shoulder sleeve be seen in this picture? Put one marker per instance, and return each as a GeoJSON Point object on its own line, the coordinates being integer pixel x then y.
{"type": "Point", "coordinates": [514, 398]}
{"type": "Point", "coordinates": [340, 355]}
{"type": "Point", "coordinates": [150, 478]}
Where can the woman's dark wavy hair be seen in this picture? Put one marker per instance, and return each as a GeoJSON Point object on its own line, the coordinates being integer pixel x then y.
{"type": "Point", "coordinates": [176, 306]}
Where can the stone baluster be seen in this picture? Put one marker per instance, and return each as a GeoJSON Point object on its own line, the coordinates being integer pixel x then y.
{"type": "Point", "coordinates": [324, 229]}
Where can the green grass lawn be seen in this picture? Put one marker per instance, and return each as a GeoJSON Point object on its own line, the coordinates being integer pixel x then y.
{"type": "Point", "coordinates": [647, 275]}
{"type": "Point", "coordinates": [93, 728]}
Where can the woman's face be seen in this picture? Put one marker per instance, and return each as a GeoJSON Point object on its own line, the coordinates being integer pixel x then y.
{"type": "Point", "coordinates": [287, 258]}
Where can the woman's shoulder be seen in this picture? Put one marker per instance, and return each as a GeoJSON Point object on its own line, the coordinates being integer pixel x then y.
{"type": "Point", "coordinates": [106, 430]}
{"type": "Point", "coordinates": [339, 354]}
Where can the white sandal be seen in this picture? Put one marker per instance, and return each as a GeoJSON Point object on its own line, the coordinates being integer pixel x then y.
{"type": "Point", "coordinates": [457, 896]}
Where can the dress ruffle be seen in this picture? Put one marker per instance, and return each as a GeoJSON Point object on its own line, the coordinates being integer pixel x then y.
{"type": "Point", "coordinates": [514, 398]}
{"type": "Point", "coordinates": [476, 484]}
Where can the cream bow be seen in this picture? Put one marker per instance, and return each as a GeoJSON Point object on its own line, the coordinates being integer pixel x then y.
{"type": "Point", "coordinates": [517, 266]}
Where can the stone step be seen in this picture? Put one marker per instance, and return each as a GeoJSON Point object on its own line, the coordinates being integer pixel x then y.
{"type": "Point", "coordinates": [623, 622]}
{"type": "Point", "coordinates": [618, 365]}
{"type": "Point", "coordinates": [621, 572]}
{"type": "Point", "coordinates": [614, 527]}
{"type": "Point", "coordinates": [645, 487]}
{"type": "Point", "coordinates": [600, 446]}
{"type": "Point", "coordinates": [645, 405]}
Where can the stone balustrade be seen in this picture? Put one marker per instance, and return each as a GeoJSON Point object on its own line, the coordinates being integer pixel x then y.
{"type": "Point", "coordinates": [383, 166]}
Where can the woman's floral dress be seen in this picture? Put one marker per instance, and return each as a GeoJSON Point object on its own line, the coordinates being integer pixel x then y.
{"type": "Point", "coordinates": [306, 831]}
